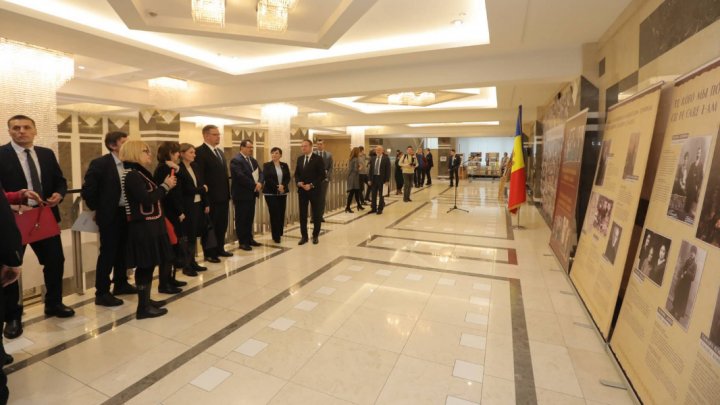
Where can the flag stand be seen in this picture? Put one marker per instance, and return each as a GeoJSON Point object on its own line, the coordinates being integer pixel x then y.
{"type": "Point", "coordinates": [518, 226]}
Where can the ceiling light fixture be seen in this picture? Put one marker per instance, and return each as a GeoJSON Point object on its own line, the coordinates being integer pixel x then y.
{"type": "Point", "coordinates": [453, 124]}
{"type": "Point", "coordinates": [166, 90]}
{"type": "Point", "coordinates": [209, 12]}
{"type": "Point", "coordinates": [411, 98]}
{"type": "Point", "coordinates": [272, 15]}
{"type": "Point", "coordinates": [81, 67]}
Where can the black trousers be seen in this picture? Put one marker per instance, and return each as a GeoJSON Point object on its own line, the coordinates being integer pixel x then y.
{"type": "Point", "coordinates": [191, 227]}
{"type": "Point", "coordinates": [276, 205]}
{"type": "Point", "coordinates": [377, 190]}
{"type": "Point", "coordinates": [113, 242]}
{"type": "Point", "coordinates": [363, 184]}
{"type": "Point", "coordinates": [50, 254]}
{"type": "Point", "coordinates": [4, 392]}
{"type": "Point", "coordinates": [244, 216]}
{"type": "Point", "coordinates": [312, 198]}
{"type": "Point", "coordinates": [219, 218]}
{"type": "Point", "coordinates": [427, 175]}
{"type": "Point", "coordinates": [454, 174]}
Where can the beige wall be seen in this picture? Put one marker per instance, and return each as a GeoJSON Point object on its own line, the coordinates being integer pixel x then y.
{"type": "Point", "coordinates": [339, 147]}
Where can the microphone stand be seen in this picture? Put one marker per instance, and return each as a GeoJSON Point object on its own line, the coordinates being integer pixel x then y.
{"type": "Point", "coordinates": [457, 183]}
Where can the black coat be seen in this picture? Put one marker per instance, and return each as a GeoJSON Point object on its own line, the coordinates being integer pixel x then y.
{"type": "Point", "coordinates": [429, 159]}
{"type": "Point", "coordinates": [172, 203]}
{"type": "Point", "coordinates": [243, 183]}
{"type": "Point", "coordinates": [142, 193]}
{"type": "Point", "coordinates": [313, 173]}
{"type": "Point", "coordinates": [188, 188]}
{"type": "Point", "coordinates": [12, 176]}
{"type": "Point", "coordinates": [454, 162]}
{"type": "Point", "coordinates": [215, 174]}
{"type": "Point", "coordinates": [271, 178]}
{"type": "Point", "coordinates": [101, 189]}
{"type": "Point", "coordinates": [11, 244]}
{"type": "Point", "coordinates": [384, 168]}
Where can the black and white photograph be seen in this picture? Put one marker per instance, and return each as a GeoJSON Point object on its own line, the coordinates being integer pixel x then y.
{"type": "Point", "coordinates": [602, 164]}
{"type": "Point", "coordinates": [603, 212]}
{"type": "Point", "coordinates": [631, 157]}
{"type": "Point", "coordinates": [685, 282]}
{"type": "Point", "coordinates": [653, 255]}
{"type": "Point", "coordinates": [709, 221]}
{"type": "Point", "coordinates": [714, 335]}
{"type": "Point", "coordinates": [613, 243]}
{"type": "Point", "coordinates": [689, 176]}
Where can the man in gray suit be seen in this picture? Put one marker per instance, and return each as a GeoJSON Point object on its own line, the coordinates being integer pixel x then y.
{"type": "Point", "coordinates": [328, 163]}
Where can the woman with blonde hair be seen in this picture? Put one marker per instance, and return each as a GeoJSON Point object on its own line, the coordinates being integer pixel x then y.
{"type": "Point", "coordinates": [353, 180]}
{"type": "Point", "coordinates": [148, 242]}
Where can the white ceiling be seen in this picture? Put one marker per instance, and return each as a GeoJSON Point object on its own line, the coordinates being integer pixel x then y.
{"type": "Point", "coordinates": [332, 49]}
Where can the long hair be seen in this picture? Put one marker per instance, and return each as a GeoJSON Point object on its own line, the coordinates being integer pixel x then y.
{"type": "Point", "coordinates": [355, 152]}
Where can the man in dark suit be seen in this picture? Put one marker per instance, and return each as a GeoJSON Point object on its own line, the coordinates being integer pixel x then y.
{"type": "Point", "coordinates": [10, 262]}
{"type": "Point", "coordinates": [454, 166]}
{"type": "Point", "coordinates": [247, 180]}
{"type": "Point", "coordinates": [379, 175]}
{"type": "Point", "coordinates": [328, 165]}
{"type": "Point", "coordinates": [428, 166]}
{"type": "Point", "coordinates": [25, 166]}
{"type": "Point", "coordinates": [309, 175]}
{"type": "Point", "coordinates": [102, 193]}
{"type": "Point", "coordinates": [212, 166]}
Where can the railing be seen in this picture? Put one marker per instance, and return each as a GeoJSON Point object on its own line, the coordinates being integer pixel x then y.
{"type": "Point", "coordinates": [81, 254]}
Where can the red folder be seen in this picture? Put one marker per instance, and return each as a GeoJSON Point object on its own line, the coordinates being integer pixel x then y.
{"type": "Point", "coordinates": [36, 224]}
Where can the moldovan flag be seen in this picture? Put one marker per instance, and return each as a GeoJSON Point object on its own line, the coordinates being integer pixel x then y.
{"type": "Point", "coordinates": [517, 176]}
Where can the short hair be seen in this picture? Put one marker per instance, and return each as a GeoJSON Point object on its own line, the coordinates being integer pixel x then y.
{"type": "Point", "coordinates": [132, 150]}
{"type": "Point", "coordinates": [112, 138]}
{"type": "Point", "coordinates": [319, 141]}
{"type": "Point", "coordinates": [20, 117]}
{"type": "Point", "coordinates": [166, 149]}
{"type": "Point", "coordinates": [452, 150]}
{"type": "Point", "coordinates": [206, 129]}
{"type": "Point", "coordinates": [276, 149]}
{"type": "Point", "coordinates": [184, 147]}
{"type": "Point", "coordinates": [409, 147]}
{"type": "Point", "coordinates": [361, 147]}
{"type": "Point", "coordinates": [308, 141]}
{"type": "Point", "coordinates": [244, 143]}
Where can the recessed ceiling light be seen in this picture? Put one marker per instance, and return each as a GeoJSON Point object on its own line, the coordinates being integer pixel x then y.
{"type": "Point", "coordinates": [453, 124]}
{"type": "Point", "coordinates": [458, 22]}
{"type": "Point", "coordinates": [81, 67]}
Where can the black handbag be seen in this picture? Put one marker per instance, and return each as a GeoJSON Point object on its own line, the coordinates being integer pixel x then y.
{"type": "Point", "coordinates": [209, 238]}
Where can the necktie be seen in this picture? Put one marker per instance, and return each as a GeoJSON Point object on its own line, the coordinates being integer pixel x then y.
{"type": "Point", "coordinates": [219, 156]}
{"type": "Point", "coordinates": [307, 159]}
{"type": "Point", "coordinates": [249, 162]}
{"type": "Point", "coordinates": [34, 177]}
{"type": "Point", "coordinates": [377, 166]}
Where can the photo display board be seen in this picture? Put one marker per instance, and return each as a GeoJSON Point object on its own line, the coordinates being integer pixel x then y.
{"type": "Point", "coordinates": [563, 236]}
{"type": "Point", "coordinates": [667, 336]}
{"type": "Point", "coordinates": [551, 159]}
{"type": "Point", "coordinates": [605, 239]}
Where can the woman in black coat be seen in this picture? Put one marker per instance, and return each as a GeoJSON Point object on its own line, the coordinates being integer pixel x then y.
{"type": "Point", "coordinates": [275, 188]}
{"type": "Point", "coordinates": [399, 181]}
{"type": "Point", "coordinates": [195, 203]}
{"type": "Point", "coordinates": [168, 156]}
{"type": "Point", "coordinates": [148, 243]}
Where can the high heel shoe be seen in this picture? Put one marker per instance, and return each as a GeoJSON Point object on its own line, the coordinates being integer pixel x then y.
{"type": "Point", "coordinates": [348, 210]}
{"type": "Point", "coordinates": [360, 208]}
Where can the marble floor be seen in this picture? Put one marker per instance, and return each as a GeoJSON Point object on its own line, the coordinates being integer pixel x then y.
{"type": "Point", "coordinates": [415, 306]}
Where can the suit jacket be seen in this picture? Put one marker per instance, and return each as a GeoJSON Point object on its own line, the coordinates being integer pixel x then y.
{"type": "Point", "coordinates": [313, 173]}
{"type": "Point", "coordinates": [271, 178]}
{"type": "Point", "coordinates": [12, 242]}
{"type": "Point", "coordinates": [454, 162]}
{"type": "Point", "coordinates": [243, 183]}
{"type": "Point", "coordinates": [429, 160]}
{"type": "Point", "coordinates": [384, 168]}
{"type": "Point", "coordinates": [189, 188]}
{"type": "Point", "coordinates": [214, 172]}
{"type": "Point", "coordinates": [12, 176]}
{"type": "Point", "coordinates": [327, 162]}
{"type": "Point", "coordinates": [101, 189]}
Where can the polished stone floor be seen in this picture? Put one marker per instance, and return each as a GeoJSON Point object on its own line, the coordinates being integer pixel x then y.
{"type": "Point", "coordinates": [414, 306]}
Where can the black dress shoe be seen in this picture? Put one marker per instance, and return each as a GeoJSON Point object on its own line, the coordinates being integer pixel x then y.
{"type": "Point", "coordinates": [190, 272]}
{"type": "Point", "coordinates": [372, 211]}
{"type": "Point", "coordinates": [315, 240]}
{"type": "Point", "coordinates": [276, 240]}
{"type": "Point", "coordinates": [13, 329]}
{"type": "Point", "coordinates": [60, 310]}
{"type": "Point", "coordinates": [322, 219]}
{"type": "Point", "coordinates": [108, 300]}
{"type": "Point", "coordinates": [212, 260]}
{"type": "Point", "coordinates": [8, 359]}
{"type": "Point", "coordinates": [124, 288]}
{"type": "Point", "coordinates": [178, 283]}
{"type": "Point", "coordinates": [255, 243]}
{"type": "Point", "coordinates": [303, 241]}
{"type": "Point", "coordinates": [225, 253]}
{"type": "Point", "coordinates": [197, 267]}
{"type": "Point", "coordinates": [246, 247]}
{"type": "Point", "coordinates": [169, 289]}
{"type": "Point", "coordinates": [379, 212]}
